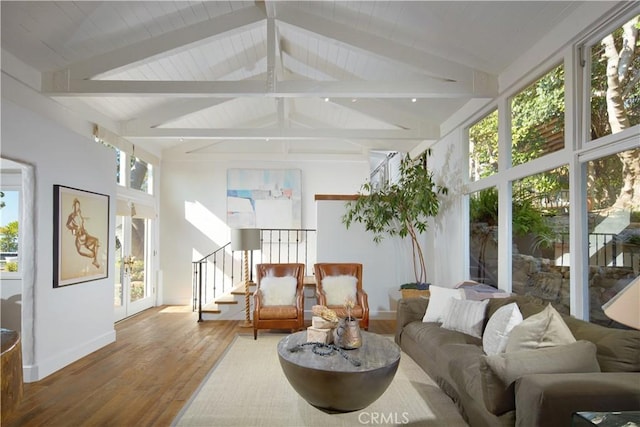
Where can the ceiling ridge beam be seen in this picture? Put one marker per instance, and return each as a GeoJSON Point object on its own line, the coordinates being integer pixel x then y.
{"type": "Point", "coordinates": [423, 62]}
{"type": "Point", "coordinates": [136, 52]}
{"type": "Point", "coordinates": [251, 88]}
{"type": "Point", "coordinates": [276, 133]}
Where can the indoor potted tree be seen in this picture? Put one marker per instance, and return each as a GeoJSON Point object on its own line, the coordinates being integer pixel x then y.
{"type": "Point", "coordinates": [402, 208]}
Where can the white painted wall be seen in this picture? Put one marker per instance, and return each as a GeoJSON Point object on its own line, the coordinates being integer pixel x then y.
{"type": "Point", "coordinates": [446, 238]}
{"type": "Point", "coordinates": [385, 266]}
{"type": "Point", "coordinates": [64, 324]}
{"type": "Point", "coordinates": [193, 209]}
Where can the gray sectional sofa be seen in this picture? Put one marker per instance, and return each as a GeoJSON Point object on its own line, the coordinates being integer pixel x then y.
{"type": "Point", "coordinates": [457, 362]}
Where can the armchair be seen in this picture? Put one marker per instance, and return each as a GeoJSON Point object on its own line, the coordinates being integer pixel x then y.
{"type": "Point", "coordinates": [332, 287]}
{"type": "Point", "coordinates": [279, 297]}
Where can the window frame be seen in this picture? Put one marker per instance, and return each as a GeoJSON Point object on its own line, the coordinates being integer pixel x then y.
{"type": "Point", "coordinates": [12, 181]}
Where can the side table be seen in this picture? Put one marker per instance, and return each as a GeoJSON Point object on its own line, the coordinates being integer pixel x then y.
{"type": "Point", "coordinates": [606, 419]}
{"type": "Point", "coordinates": [10, 370]}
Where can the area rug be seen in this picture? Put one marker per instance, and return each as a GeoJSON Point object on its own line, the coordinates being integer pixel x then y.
{"type": "Point", "coordinates": [248, 388]}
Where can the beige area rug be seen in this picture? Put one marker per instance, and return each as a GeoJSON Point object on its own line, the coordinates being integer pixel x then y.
{"type": "Point", "coordinates": [248, 388]}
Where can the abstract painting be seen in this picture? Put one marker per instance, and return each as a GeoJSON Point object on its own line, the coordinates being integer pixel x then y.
{"type": "Point", "coordinates": [264, 198]}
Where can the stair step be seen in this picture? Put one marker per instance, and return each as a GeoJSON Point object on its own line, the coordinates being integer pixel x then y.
{"type": "Point", "coordinates": [239, 288]}
{"type": "Point", "coordinates": [226, 299]}
{"type": "Point", "coordinates": [211, 308]}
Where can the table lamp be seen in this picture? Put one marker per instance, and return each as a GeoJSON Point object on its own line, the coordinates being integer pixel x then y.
{"type": "Point", "coordinates": [245, 239]}
{"type": "Point", "coordinates": [625, 306]}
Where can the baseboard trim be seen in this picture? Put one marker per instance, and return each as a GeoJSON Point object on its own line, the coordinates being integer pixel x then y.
{"type": "Point", "coordinates": [39, 371]}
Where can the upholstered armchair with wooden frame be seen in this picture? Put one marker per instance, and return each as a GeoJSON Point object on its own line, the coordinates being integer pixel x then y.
{"type": "Point", "coordinates": [279, 297]}
{"type": "Point", "coordinates": [335, 282]}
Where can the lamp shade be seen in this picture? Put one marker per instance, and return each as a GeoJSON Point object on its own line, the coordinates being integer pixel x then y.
{"type": "Point", "coordinates": [245, 239]}
{"type": "Point", "coordinates": [625, 306]}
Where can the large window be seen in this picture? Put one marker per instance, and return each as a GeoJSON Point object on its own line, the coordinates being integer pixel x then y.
{"type": "Point", "coordinates": [9, 228]}
{"type": "Point", "coordinates": [483, 147]}
{"type": "Point", "coordinates": [540, 218]}
{"type": "Point", "coordinates": [10, 208]}
{"type": "Point", "coordinates": [615, 81]}
{"type": "Point", "coordinates": [483, 236]}
{"type": "Point", "coordinates": [537, 118]}
{"type": "Point", "coordinates": [601, 159]}
{"type": "Point", "coordinates": [140, 175]}
{"type": "Point", "coordinates": [613, 212]}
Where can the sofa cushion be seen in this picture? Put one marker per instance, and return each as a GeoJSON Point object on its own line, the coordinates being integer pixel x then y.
{"type": "Point", "coordinates": [618, 349]}
{"type": "Point", "coordinates": [499, 372]}
{"type": "Point", "coordinates": [464, 368]}
{"type": "Point", "coordinates": [545, 329]}
{"type": "Point", "coordinates": [439, 301]}
{"type": "Point", "coordinates": [499, 326]}
{"type": "Point", "coordinates": [465, 316]}
{"type": "Point", "coordinates": [528, 305]}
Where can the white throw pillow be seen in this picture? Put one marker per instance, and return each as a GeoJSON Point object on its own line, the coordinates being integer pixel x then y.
{"type": "Point", "coordinates": [438, 302]}
{"type": "Point", "coordinates": [339, 288]}
{"type": "Point", "coordinates": [499, 326]}
{"type": "Point", "coordinates": [278, 290]}
{"type": "Point", "coordinates": [465, 316]}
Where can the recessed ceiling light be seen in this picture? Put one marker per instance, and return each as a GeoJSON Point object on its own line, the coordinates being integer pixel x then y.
{"type": "Point", "coordinates": [354, 99]}
{"type": "Point", "coordinates": [326, 100]}
{"type": "Point", "coordinates": [414, 99]}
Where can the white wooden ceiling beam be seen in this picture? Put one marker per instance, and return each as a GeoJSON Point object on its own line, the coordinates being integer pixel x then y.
{"type": "Point", "coordinates": [229, 23]}
{"type": "Point", "coordinates": [417, 60]}
{"type": "Point", "coordinates": [271, 55]}
{"type": "Point", "coordinates": [173, 110]}
{"type": "Point", "coordinates": [251, 88]}
{"type": "Point", "coordinates": [273, 133]}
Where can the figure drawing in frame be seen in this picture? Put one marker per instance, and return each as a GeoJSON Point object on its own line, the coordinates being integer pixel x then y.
{"type": "Point", "coordinates": [81, 234]}
{"type": "Point", "coordinates": [86, 244]}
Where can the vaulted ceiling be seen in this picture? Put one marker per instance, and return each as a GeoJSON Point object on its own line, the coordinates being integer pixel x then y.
{"type": "Point", "coordinates": [279, 77]}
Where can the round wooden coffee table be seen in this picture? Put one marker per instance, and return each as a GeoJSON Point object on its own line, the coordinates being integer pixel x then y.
{"type": "Point", "coordinates": [341, 381]}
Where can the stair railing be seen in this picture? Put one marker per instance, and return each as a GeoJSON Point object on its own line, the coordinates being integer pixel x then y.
{"type": "Point", "coordinates": [214, 274]}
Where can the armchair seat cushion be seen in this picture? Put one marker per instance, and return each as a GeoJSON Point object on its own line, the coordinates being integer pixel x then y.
{"type": "Point", "coordinates": [273, 312]}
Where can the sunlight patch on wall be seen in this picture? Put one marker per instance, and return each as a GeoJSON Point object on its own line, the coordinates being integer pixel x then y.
{"type": "Point", "coordinates": [206, 222]}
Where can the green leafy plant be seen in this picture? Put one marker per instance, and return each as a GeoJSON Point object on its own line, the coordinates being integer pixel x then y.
{"type": "Point", "coordinates": [402, 208]}
{"type": "Point", "coordinates": [11, 266]}
{"type": "Point", "coordinates": [9, 237]}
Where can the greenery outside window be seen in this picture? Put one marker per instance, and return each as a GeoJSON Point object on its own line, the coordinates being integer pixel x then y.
{"type": "Point", "coordinates": [483, 236]}
{"type": "Point", "coordinates": [541, 232]}
{"type": "Point", "coordinates": [613, 214]}
{"type": "Point", "coordinates": [537, 118]}
{"type": "Point", "coordinates": [9, 230]}
{"type": "Point", "coordinates": [483, 147]}
{"type": "Point", "coordinates": [615, 81]}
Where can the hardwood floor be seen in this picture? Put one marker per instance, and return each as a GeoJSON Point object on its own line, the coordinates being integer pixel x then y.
{"type": "Point", "coordinates": [143, 379]}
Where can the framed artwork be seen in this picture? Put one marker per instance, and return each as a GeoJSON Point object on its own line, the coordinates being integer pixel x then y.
{"type": "Point", "coordinates": [264, 198]}
{"type": "Point", "coordinates": [80, 236]}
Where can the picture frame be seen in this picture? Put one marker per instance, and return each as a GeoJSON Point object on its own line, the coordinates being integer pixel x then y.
{"type": "Point", "coordinates": [264, 198]}
{"type": "Point", "coordinates": [80, 236]}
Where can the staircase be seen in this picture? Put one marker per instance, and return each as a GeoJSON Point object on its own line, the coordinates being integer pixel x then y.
{"type": "Point", "coordinates": [218, 282]}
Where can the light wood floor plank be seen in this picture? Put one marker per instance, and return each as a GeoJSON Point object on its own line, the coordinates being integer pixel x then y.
{"type": "Point", "coordinates": [144, 378]}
